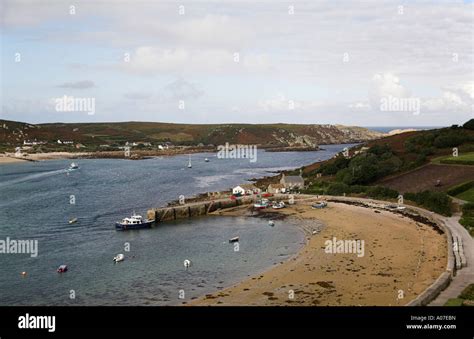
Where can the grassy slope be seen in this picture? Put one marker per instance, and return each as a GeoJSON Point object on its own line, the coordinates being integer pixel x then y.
{"type": "Point", "coordinates": [467, 195]}
{"type": "Point", "coordinates": [109, 133]}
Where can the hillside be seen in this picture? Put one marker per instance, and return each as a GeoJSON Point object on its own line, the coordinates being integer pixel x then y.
{"type": "Point", "coordinates": [114, 134]}
{"type": "Point", "coordinates": [420, 165]}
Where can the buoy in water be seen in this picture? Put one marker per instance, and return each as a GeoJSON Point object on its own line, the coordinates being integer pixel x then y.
{"type": "Point", "coordinates": [187, 263]}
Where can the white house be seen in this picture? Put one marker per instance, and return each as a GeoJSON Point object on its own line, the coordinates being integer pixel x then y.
{"type": "Point", "coordinates": [246, 189]}
{"type": "Point", "coordinates": [276, 188]}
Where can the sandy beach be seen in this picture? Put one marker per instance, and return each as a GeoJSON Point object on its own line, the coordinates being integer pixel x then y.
{"type": "Point", "coordinates": [8, 158]}
{"type": "Point", "coordinates": [401, 259]}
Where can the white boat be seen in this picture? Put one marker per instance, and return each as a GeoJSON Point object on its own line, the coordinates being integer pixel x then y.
{"type": "Point", "coordinates": [321, 204]}
{"type": "Point", "coordinates": [278, 205]}
{"type": "Point", "coordinates": [260, 204]}
{"type": "Point", "coordinates": [73, 166]}
{"type": "Point", "coordinates": [206, 160]}
{"type": "Point", "coordinates": [189, 162]}
{"type": "Point", "coordinates": [119, 257]}
{"type": "Point", "coordinates": [62, 269]}
{"type": "Point", "coordinates": [235, 239]}
{"type": "Point", "coordinates": [134, 222]}
{"type": "Point", "coordinates": [271, 223]}
{"type": "Point", "coordinates": [73, 220]}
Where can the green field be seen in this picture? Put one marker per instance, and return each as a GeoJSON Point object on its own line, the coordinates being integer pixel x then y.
{"type": "Point", "coordinates": [462, 159]}
{"type": "Point", "coordinates": [467, 195]}
{"type": "Point", "coordinates": [466, 294]}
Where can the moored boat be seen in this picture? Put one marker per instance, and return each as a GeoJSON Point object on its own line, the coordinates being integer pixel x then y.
{"type": "Point", "coordinates": [119, 257]}
{"type": "Point", "coordinates": [278, 205]}
{"type": "Point", "coordinates": [62, 269]}
{"type": "Point", "coordinates": [73, 166]}
{"type": "Point", "coordinates": [260, 204]}
{"type": "Point", "coordinates": [133, 223]}
{"type": "Point", "coordinates": [234, 239]}
{"type": "Point", "coordinates": [189, 163]}
{"type": "Point", "coordinates": [321, 204]}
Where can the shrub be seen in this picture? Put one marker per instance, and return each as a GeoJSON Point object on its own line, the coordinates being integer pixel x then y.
{"type": "Point", "coordinates": [450, 139]}
{"type": "Point", "coordinates": [457, 162]}
{"type": "Point", "coordinates": [467, 219]}
{"type": "Point", "coordinates": [380, 192]}
{"type": "Point", "coordinates": [333, 167]}
{"type": "Point", "coordinates": [460, 188]}
{"type": "Point", "coordinates": [438, 202]}
{"type": "Point", "coordinates": [338, 188]}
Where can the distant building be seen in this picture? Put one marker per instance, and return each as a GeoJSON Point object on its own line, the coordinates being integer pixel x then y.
{"type": "Point", "coordinates": [276, 188]}
{"type": "Point", "coordinates": [33, 142]}
{"type": "Point", "coordinates": [362, 150]}
{"type": "Point", "coordinates": [246, 189]}
{"type": "Point", "coordinates": [292, 181]}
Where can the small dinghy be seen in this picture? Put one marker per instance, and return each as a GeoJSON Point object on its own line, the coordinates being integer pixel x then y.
{"type": "Point", "coordinates": [271, 223]}
{"type": "Point", "coordinates": [62, 269]}
{"type": "Point", "coordinates": [73, 166]}
{"type": "Point", "coordinates": [119, 257]}
{"type": "Point", "coordinates": [189, 163]}
{"type": "Point", "coordinates": [321, 204]}
{"type": "Point", "coordinates": [206, 160]}
{"type": "Point", "coordinates": [234, 239]}
{"type": "Point", "coordinates": [73, 220]}
{"type": "Point", "coordinates": [278, 205]}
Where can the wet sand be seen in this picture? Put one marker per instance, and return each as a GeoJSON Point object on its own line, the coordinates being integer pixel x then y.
{"type": "Point", "coordinates": [8, 158]}
{"type": "Point", "coordinates": [402, 258]}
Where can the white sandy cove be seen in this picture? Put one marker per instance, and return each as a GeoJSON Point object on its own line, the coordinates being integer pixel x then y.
{"type": "Point", "coordinates": [401, 258]}
{"type": "Point", "coordinates": [8, 158]}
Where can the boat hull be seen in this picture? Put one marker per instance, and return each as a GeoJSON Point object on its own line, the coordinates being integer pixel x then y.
{"type": "Point", "coordinates": [126, 227]}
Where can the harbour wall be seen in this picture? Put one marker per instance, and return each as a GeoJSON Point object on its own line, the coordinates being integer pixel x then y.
{"type": "Point", "coordinates": [197, 208]}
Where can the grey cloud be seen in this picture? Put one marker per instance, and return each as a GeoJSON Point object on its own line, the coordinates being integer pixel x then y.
{"type": "Point", "coordinates": [181, 89]}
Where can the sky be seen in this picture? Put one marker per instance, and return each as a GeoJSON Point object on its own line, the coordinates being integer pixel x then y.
{"type": "Point", "coordinates": [365, 63]}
